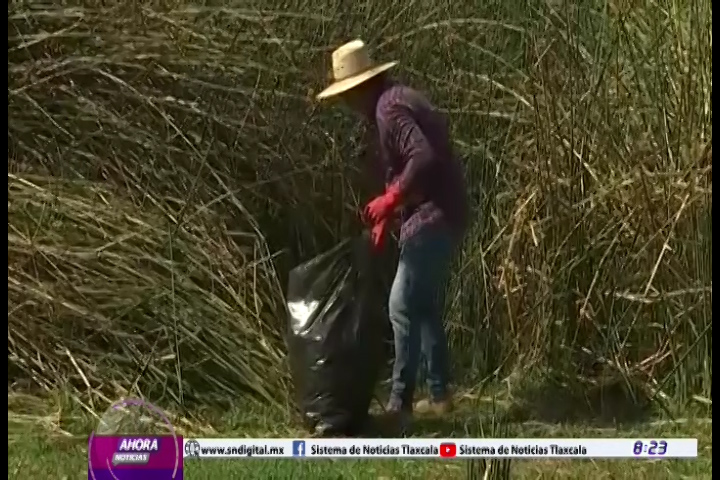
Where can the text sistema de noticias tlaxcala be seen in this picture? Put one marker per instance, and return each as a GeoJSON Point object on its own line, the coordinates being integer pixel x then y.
{"type": "Point", "coordinates": [462, 450]}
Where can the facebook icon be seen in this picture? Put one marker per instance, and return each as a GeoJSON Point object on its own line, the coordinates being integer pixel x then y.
{"type": "Point", "coordinates": [298, 448]}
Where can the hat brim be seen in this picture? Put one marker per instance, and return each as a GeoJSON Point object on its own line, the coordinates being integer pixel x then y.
{"type": "Point", "coordinates": [351, 82]}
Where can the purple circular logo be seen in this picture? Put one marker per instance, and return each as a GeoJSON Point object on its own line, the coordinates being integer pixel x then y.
{"type": "Point", "coordinates": [134, 440]}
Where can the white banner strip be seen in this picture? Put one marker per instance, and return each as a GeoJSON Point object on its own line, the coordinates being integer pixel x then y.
{"type": "Point", "coordinates": [441, 448]}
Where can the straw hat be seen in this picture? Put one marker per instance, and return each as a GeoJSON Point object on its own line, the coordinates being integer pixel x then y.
{"type": "Point", "coordinates": [352, 65]}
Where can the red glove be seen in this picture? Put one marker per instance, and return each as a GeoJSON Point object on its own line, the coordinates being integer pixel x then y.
{"type": "Point", "coordinates": [383, 206]}
{"type": "Point", "coordinates": [378, 235]}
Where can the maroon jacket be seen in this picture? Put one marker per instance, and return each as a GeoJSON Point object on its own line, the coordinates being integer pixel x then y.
{"type": "Point", "coordinates": [416, 151]}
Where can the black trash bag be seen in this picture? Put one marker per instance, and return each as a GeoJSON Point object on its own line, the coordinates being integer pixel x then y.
{"type": "Point", "coordinates": [337, 331]}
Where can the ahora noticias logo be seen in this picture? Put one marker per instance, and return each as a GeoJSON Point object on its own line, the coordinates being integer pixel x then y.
{"type": "Point", "coordinates": [135, 451]}
{"type": "Point", "coordinates": [134, 440]}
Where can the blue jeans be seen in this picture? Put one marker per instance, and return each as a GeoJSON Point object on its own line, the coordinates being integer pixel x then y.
{"type": "Point", "coordinates": [416, 312]}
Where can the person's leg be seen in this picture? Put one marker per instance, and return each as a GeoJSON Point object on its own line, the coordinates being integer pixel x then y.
{"type": "Point", "coordinates": [406, 329]}
{"type": "Point", "coordinates": [434, 342]}
{"type": "Point", "coordinates": [415, 307]}
{"type": "Point", "coordinates": [433, 338]}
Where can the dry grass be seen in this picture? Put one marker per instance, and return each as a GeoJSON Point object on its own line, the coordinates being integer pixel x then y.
{"type": "Point", "coordinates": [119, 300]}
{"type": "Point", "coordinates": [142, 138]}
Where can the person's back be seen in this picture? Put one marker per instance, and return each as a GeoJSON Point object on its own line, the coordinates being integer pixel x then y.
{"type": "Point", "coordinates": [441, 190]}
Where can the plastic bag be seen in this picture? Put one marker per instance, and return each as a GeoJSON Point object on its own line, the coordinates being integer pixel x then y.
{"type": "Point", "coordinates": [336, 336]}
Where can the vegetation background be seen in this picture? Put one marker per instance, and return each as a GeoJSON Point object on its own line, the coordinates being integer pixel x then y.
{"type": "Point", "coordinates": [167, 165]}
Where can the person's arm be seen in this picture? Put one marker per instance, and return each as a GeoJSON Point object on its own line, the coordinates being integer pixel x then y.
{"type": "Point", "coordinates": [403, 136]}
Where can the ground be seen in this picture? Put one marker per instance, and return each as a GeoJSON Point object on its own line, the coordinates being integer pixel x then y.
{"type": "Point", "coordinates": [34, 456]}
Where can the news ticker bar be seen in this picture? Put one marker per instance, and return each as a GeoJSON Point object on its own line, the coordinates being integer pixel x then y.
{"type": "Point", "coordinates": [416, 448]}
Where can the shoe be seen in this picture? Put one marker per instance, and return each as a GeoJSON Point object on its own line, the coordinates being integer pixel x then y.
{"type": "Point", "coordinates": [397, 419]}
{"type": "Point", "coordinates": [398, 423]}
{"type": "Point", "coordinates": [435, 407]}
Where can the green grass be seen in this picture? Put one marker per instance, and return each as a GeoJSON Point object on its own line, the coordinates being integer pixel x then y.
{"type": "Point", "coordinates": [40, 457]}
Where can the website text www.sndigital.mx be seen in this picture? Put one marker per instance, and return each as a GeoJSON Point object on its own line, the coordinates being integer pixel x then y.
{"type": "Point", "coordinates": [243, 451]}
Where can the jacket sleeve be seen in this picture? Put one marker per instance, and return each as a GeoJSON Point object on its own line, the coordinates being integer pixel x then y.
{"type": "Point", "coordinates": [401, 134]}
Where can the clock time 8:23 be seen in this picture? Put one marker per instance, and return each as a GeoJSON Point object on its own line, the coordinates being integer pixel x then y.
{"type": "Point", "coordinates": [652, 447]}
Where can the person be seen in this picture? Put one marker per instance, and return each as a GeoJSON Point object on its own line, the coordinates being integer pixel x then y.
{"type": "Point", "coordinates": [425, 186]}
